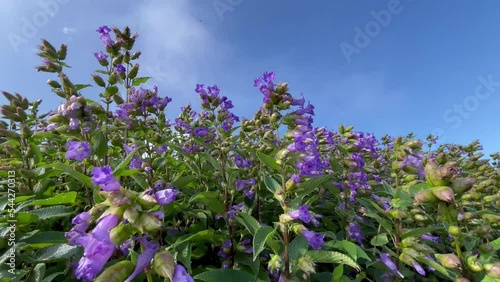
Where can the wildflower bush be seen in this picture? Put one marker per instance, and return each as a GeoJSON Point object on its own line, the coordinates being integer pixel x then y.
{"type": "Point", "coordinates": [111, 190]}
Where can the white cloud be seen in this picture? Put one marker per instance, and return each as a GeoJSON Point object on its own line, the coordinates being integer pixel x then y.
{"type": "Point", "coordinates": [174, 41]}
{"type": "Point", "coordinates": [68, 30]}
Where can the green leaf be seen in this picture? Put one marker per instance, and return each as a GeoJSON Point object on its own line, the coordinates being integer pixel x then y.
{"type": "Point", "coordinates": [139, 80]}
{"type": "Point", "coordinates": [251, 224]}
{"type": "Point", "coordinates": [335, 164]}
{"type": "Point", "coordinates": [59, 199]}
{"type": "Point", "coordinates": [45, 238]}
{"type": "Point", "coordinates": [210, 159]}
{"type": "Point", "coordinates": [437, 266]}
{"type": "Point", "coordinates": [53, 212]}
{"type": "Point", "coordinates": [298, 247]}
{"type": "Point", "coordinates": [71, 172]}
{"type": "Point", "coordinates": [495, 244]}
{"type": "Point", "coordinates": [419, 187]}
{"type": "Point", "coordinates": [58, 252]}
{"type": "Point", "coordinates": [184, 181]}
{"type": "Point", "coordinates": [203, 236]}
{"type": "Point", "coordinates": [354, 250]}
{"type": "Point", "coordinates": [111, 90]}
{"type": "Point", "coordinates": [99, 144]}
{"type": "Point", "coordinates": [379, 240]}
{"type": "Point", "coordinates": [267, 160]}
{"type": "Point", "coordinates": [184, 255]}
{"type": "Point", "coordinates": [332, 257]}
{"type": "Point", "coordinates": [24, 218]}
{"type": "Point", "coordinates": [388, 189]}
{"type": "Point", "coordinates": [37, 273]}
{"type": "Point", "coordinates": [219, 275]}
{"type": "Point", "coordinates": [420, 231]}
{"type": "Point", "coordinates": [52, 276]}
{"type": "Point", "coordinates": [338, 272]}
{"type": "Point", "coordinates": [122, 166]}
{"type": "Point", "coordinates": [79, 87]}
{"type": "Point", "coordinates": [210, 199]}
{"type": "Point", "coordinates": [271, 184]}
{"type": "Point", "coordinates": [313, 183]}
{"type": "Point", "coordinates": [259, 240]}
{"type": "Point", "coordinates": [139, 180]}
{"type": "Point", "coordinates": [246, 260]}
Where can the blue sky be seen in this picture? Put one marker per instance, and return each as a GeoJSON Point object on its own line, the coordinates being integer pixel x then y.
{"type": "Point", "coordinates": [425, 69]}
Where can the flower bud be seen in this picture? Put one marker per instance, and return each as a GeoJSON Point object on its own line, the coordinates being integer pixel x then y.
{"type": "Point", "coordinates": [454, 231]}
{"type": "Point", "coordinates": [425, 196]}
{"type": "Point", "coordinates": [117, 272]}
{"type": "Point", "coordinates": [13, 151]}
{"type": "Point", "coordinates": [120, 233]}
{"type": "Point", "coordinates": [9, 134]}
{"type": "Point", "coordinates": [53, 83]}
{"type": "Point", "coordinates": [473, 264]}
{"type": "Point", "coordinates": [135, 55]}
{"type": "Point", "coordinates": [274, 263]}
{"type": "Point", "coordinates": [98, 80]}
{"type": "Point", "coordinates": [133, 71]}
{"type": "Point", "coordinates": [462, 185]}
{"type": "Point", "coordinates": [61, 54]}
{"type": "Point", "coordinates": [164, 264]}
{"type": "Point", "coordinates": [448, 260]}
{"type": "Point", "coordinates": [491, 218]}
{"type": "Point", "coordinates": [149, 222]}
{"type": "Point", "coordinates": [307, 265]}
{"type": "Point", "coordinates": [414, 144]}
{"type": "Point", "coordinates": [131, 214]}
{"type": "Point", "coordinates": [113, 78]}
{"type": "Point", "coordinates": [399, 214]}
{"type": "Point", "coordinates": [444, 193]}
{"type": "Point", "coordinates": [146, 201]}
{"type": "Point", "coordinates": [493, 269]}
{"type": "Point", "coordinates": [438, 176]}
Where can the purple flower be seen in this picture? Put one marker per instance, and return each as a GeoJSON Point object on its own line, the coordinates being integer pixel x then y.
{"type": "Point", "coordinates": [103, 177]}
{"type": "Point", "coordinates": [315, 240]}
{"type": "Point", "coordinates": [73, 123]}
{"type": "Point", "coordinates": [386, 259]}
{"type": "Point", "coordinates": [97, 248]}
{"type": "Point", "coordinates": [77, 150]}
{"type": "Point", "coordinates": [124, 248]}
{"type": "Point", "coordinates": [302, 213]}
{"type": "Point", "coordinates": [418, 268]}
{"type": "Point", "coordinates": [135, 163]}
{"type": "Point", "coordinates": [162, 148]}
{"type": "Point", "coordinates": [100, 56]}
{"type": "Point", "coordinates": [104, 35]}
{"type": "Point", "coordinates": [298, 102]}
{"type": "Point", "coordinates": [119, 69]}
{"type": "Point", "coordinates": [145, 257]}
{"type": "Point", "coordinates": [355, 232]}
{"type": "Point", "coordinates": [81, 223]}
{"type": "Point", "coordinates": [232, 211]}
{"type": "Point", "coordinates": [428, 237]}
{"type": "Point", "coordinates": [165, 197]}
{"type": "Point", "coordinates": [200, 131]}
{"type": "Point", "coordinates": [181, 275]}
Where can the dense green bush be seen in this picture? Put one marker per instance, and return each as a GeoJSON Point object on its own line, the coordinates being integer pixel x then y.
{"type": "Point", "coordinates": [113, 191]}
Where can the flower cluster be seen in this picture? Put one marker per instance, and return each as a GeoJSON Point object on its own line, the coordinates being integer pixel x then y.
{"type": "Point", "coordinates": [69, 116]}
